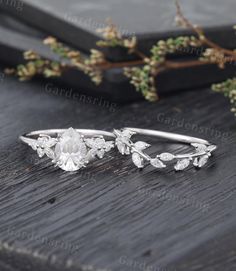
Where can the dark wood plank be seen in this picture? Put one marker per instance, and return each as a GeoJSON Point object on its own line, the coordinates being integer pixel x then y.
{"type": "Point", "coordinates": [76, 23]}
{"type": "Point", "coordinates": [115, 85]}
{"type": "Point", "coordinates": [111, 215]}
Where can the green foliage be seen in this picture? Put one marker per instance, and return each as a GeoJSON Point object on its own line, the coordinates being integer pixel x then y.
{"type": "Point", "coordinates": [141, 72]}
{"type": "Point", "coordinates": [143, 78]}
{"type": "Point", "coordinates": [143, 81]}
{"type": "Point", "coordinates": [36, 66]}
{"type": "Point", "coordinates": [228, 88]}
{"type": "Point", "coordinates": [171, 46]}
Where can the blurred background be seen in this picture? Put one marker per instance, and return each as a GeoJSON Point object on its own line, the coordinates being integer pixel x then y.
{"type": "Point", "coordinates": [25, 23]}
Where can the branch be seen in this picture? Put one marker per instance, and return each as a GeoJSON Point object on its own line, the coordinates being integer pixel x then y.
{"type": "Point", "coordinates": [184, 22]}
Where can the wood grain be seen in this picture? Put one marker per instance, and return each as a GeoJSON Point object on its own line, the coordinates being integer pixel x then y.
{"type": "Point", "coordinates": [112, 216]}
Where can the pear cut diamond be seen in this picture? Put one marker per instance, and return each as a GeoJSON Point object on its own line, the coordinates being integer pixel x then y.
{"type": "Point", "coordinates": [70, 151]}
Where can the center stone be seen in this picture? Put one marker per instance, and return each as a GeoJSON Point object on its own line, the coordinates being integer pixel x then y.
{"type": "Point", "coordinates": [70, 151]}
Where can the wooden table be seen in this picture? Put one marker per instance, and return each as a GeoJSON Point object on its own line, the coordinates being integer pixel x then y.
{"type": "Point", "coordinates": [112, 216]}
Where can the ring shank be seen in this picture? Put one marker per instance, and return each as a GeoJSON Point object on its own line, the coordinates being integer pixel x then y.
{"type": "Point", "coordinates": [169, 136]}
{"type": "Point", "coordinates": [30, 137]}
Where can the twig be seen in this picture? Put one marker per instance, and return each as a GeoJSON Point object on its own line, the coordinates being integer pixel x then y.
{"type": "Point", "coordinates": [196, 29]}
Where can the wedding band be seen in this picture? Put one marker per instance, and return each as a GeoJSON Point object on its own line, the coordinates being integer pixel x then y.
{"type": "Point", "coordinates": [70, 149]}
{"type": "Point", "coordinates": [199, 156]}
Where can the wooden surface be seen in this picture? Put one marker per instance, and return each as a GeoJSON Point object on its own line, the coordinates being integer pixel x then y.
{"type": "Point", "coordinates": [112, 216]}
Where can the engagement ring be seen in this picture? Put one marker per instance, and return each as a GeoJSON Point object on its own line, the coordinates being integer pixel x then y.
{"type": "Point", "coordinates": [70, 149]}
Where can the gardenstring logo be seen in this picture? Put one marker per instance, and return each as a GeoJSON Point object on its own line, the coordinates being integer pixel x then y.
{"type": "Point", "coordinates": [198, 52]}
{"type": "Point", "coordinates": [164, 194]}
{"type": "Point", "coordinates": [140, 266]}
{"type": "Point", "coordinates": [15, 4]}
{"type": "Point", "coordinates": [80, 98]}
{"type": "Point", "coordinates": [24, 235]}
{"type": "Point", "coordinates": [91, 24]}
{"type": "Point", "coordinates": [182, 123]}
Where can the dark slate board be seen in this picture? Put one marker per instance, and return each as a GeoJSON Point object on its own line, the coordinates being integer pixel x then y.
{"type": "Point", "coordinates": [75, 22]}
{"type": "Point", "coordinates": [111, 215]}
{"type": "Point", "coordinates": [15, 38]}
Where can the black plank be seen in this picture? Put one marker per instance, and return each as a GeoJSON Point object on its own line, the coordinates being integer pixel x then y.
{"type": "Point", "coordinates": [15, 38]}
{"type": "Point", "coordinates": [111, 215]}
{"type": "Point", "coordinates": [76, 22]}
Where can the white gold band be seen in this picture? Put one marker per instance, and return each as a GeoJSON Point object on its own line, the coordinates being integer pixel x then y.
{"type": "Point", "coordinates": [55, 132]}
{"type": "Point", "coordinates": [169, 136]}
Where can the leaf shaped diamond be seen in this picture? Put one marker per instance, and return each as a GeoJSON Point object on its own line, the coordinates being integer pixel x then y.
{"type": "Point", "coordinates": [199, 147]}
{"type": "Point", "coordinates": [157, 163]}
{"type": "Point", "coordinates": [204, 148]}
{"type": "Point", "coordinates": [140, 145]}
{"type": "Point", "coordinates": [137, 160]}
{"type": "Point", "coordinates": [98, 146]}
{"type": "Point", "coordinates": [43, 146]}
{"type": "Point", "coordinates": [123, 141]}
{"type": "Point", "coordinates": [166, 156]}
{"type": "Point", "coordinates": [182, 164]}
{"type": "Point", "coordinates": [201, 161]}
{"type": "Point", "coordinates": [204, 153]}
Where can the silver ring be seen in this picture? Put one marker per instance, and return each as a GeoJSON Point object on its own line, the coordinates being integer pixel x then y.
{"type": "Point", "coordinates": [198, 157]}
{"type": "Point", "coordinates": [70, 149]}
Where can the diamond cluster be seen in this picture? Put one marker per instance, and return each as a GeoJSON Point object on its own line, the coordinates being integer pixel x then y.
{"type": "Point", "coordinates": [71, 150]}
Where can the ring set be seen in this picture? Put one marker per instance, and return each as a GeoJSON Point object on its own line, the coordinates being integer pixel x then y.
{"type": "Point", "coordinates": [72, 149]}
